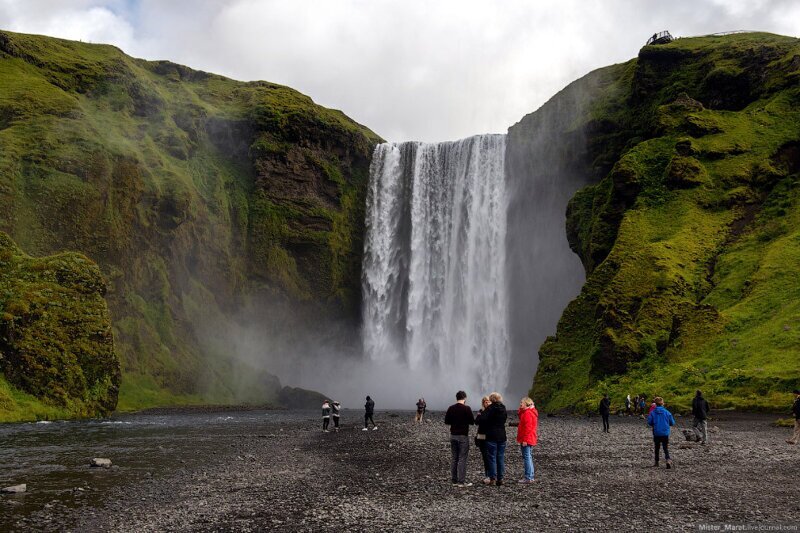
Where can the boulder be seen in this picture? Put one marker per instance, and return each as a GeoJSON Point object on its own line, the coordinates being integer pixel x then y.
{"type": "Point", "coordinates": [98, 462]}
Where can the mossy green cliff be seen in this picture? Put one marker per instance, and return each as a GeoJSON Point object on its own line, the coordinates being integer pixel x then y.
{"type": "Point", "coordinates": [690, 236]}
{"type": "Point", "coordinates": [198, 197]}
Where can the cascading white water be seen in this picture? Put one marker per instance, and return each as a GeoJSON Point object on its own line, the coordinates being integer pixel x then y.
{"type": "Point", "coordinates": [434, 284]}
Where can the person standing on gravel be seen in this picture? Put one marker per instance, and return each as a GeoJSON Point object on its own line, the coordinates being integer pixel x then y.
{"type": "Point", "coordinates": [628, 404]}
{"type": "Point", "coordinates": [527, 436]}
{"type": "Point", "coordinates": [605, 411]}
{"type": "Point", "coordinates": [796, 411]}
{"type": "Point", "coordinates": [326, 415]}
{"type": "Point", "coordinates": [421, 405]}
{"type": "Point", "coordinates": [496, 440]}
{"type": "Point", "coordinates": [369, 410]}
{"type": "Point", "coordinates": [700, 411]}
{"type": "Point", "coordinates": [459, 417]}
{"type": "Point", "coordinates": [335, 412]}
{"type": "Point", "coordinates": [480, 437]}
{"type": "Point", "coordinates": [661, 421]}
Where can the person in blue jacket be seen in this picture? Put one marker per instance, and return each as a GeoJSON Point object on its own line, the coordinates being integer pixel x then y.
{"type": "Point", "coordinates": [661, 421]}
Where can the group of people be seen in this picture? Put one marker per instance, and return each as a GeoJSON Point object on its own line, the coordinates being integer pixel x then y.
{"type": "Point", "coordinates": [490, 437]}
{"type": "Point", "coordinates": [330, 409]}
{"type": "Point", "coordinates": [638, 405]}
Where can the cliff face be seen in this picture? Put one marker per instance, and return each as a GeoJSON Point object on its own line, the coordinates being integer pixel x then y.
{"type": "Point", "coordinates": [199, 197]}
{"type": "Point", "coordinates": [691, 236]}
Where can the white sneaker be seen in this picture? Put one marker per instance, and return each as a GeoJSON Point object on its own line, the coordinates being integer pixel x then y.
{"type": "Point", "coordinates": [365, 429]}
{"type": "Point", "coordinates": [376, 427]}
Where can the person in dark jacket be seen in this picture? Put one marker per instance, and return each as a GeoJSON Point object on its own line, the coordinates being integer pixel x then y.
{"type": "Point", "coordinates": [796, 412]}
{"type": "Point", "coordinates": [421, 406]}
{"type": "Point", "coordinates": [496, 417]}
{"type": "Point", "coordinates": [369, 410]}
{"type": "Point", "coordinates": [700, 411]}
{"type": "Point", "coordinates": [336, 410]}
{"type": "Point", "coordinates": [605, 411]}
{"type": "Point", "coordinates": [326, 415]}
{"type": "Point", "coordinates": [459, 417]}
{"type": "Point", "coordinates": [661, 421]}
{"type": "Point", "coordinates": [480, 436]}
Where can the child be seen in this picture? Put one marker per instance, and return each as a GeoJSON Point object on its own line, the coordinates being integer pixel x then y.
{"type": "Point", "coordinates": [661, 421]}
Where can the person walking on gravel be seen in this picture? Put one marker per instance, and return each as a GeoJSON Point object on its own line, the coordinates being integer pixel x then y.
{"type": "Point", "coordinates": [459, 417]}
{"type": "Point", "coordinates": [326, 415]}
{"type": "Point", "coordinates": [335, 412]}
{"type": "Point", "coordinates": [496, 440]}
{"type": "Point", "coordinates": [369, 410]}
{"type": "Point", "coordinates": [480, 437]}
{"type": "Point", "coordinates": [661, 421]}
{"type": "Point", "coordinates": [421, 406]}
{"type": "Point", "coordinates": [605, 411]}
{"type": "Point", "coordinates": [700, 411]}
{"type": "Point", "coordinates": [527, 436]}
{"type": "Point", "coordinates": [796, 411]}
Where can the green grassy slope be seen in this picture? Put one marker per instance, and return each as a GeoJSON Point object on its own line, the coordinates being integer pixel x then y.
{"type": "Point", "coordinates": [691, 238]}
{"type": "Point", "coordinates": [196, 195]}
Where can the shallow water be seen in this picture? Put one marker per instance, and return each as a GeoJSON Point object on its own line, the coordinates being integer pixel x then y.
{"type": "Point", "coordinates": [53, 458]}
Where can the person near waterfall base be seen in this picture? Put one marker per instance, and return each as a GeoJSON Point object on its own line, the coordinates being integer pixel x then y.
{"type": "Point", "coordinates": [605, 411]}
{"type": "Point", "coordinates": [326, 415]}
{"type": "Point", "coordinates": [459, 417]}
{"type": "Point", "coordinates": [369, 410]}
{"type": "Point", "coordinates": [421, 406]}
{"type": "Point", "coordinates": [527, 436]}
{"type": "Point", "coordinates": [496, 440]}
{"type": "Point", "coordinates": [661, 421]}
{"type": "Point", "coordinates": [480, 437]}
{"type": "Point", "coordinates": [796, 412]}
{"type": "Point", "coordinates": [336, 410]}
{"type": "Point", "coordinates": [700, 410]}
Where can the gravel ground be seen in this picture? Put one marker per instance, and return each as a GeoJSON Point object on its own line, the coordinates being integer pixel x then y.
{"type": "Point", "coordinates": [292, 477]}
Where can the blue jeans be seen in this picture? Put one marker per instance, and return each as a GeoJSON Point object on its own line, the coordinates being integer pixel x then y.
{"type": "Point", "coordinates": [527, 460]}
{"type": "Point", "coordinates": [496, 454]}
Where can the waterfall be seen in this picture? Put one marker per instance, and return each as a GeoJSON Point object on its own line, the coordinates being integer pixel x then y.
{"type": "Point", "coordinates": [434, 270]}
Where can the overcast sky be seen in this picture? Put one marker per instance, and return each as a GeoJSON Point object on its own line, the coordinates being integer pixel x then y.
{"type": "Point", "coordinates": [424, 70]}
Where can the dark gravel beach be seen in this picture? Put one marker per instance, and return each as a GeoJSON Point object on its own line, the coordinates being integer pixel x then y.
{"type": "Point", "coordinates": [259, 471]}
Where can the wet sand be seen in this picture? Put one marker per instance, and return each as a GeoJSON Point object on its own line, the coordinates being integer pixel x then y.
{"type": "Point", "coordinates": [277, 471]}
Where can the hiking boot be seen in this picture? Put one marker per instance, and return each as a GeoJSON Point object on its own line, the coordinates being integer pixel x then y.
{"type": "Point", "coordinates": [669, 464]}
{"type": "Point", "coordinates": [499, 483]}
{"type": "Point", "coordinates": [488, 481]}
{"type": "Point", "coordinates": [465, 484]}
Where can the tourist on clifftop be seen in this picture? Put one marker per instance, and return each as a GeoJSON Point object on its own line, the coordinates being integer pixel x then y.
{"type": "Point", "coordinates": [661, 421]}
{"type": "Point", "coordinates": [459, 417]}
{"type": "Point", "coordinates": [796, 411]}
{"type": "Point", "coordinates": [496, 417]}
{"type": "Point", "coordinates": [369, 410]}
{"type": "Point", "coordinates": [527, 436]}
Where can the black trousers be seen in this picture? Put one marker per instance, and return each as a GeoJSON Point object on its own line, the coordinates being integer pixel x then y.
{"type": "Point", "coordinates": [336, 422]}
{"type": "Point", "coordinates": [325, 422]}
{"type": "Point", "coordinates": [659, 443]}
{"type": "Point", "coordinates": [368, 417]}
{"type": "Point", "coordinates": [605, 421]}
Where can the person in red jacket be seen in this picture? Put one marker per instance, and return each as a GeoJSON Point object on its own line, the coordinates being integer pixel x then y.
{"type": "Point", "coordinates": [527, 435]}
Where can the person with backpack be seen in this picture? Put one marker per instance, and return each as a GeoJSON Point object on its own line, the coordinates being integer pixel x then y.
{"type": "Point", "coordinates": [336, 409]}
{"type": "Point", "coordinates": [700, 411]}
{"type": "Point", "coordinates": [661, 421]}
{"type": "Point", "coordinates": [326, 415]}
{"type": "Point", "coordinates": [369, 410]}
{"type": "Point", "coordinates": [527, 436]}
{"type": "Point", "coordinates": [605, 411]}
{"type": "Point", "coordinates": [796, 412]}
{"type": "Point", "coordinates": [421, 405]}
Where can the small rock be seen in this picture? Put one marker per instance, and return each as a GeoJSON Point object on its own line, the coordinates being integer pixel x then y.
{"type": "Point", "coordinates": [99, 462]}
{"type": "Point", "coordinates": [15, 489]}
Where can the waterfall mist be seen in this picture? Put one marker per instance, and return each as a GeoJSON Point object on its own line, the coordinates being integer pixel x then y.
{"type": "Point", "coordinates": [434, 287]}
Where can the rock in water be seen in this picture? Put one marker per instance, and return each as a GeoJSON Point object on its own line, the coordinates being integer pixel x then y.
{"type": "Point", "coordinates": [100, 463]}
{"type": "Point", "coordinates": [15, 489]}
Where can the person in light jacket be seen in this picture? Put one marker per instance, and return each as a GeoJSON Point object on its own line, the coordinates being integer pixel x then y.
{"type": "Point", "coordinates": [527, 436]}
{"type": "Point", "coordinates": [661, 421]}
